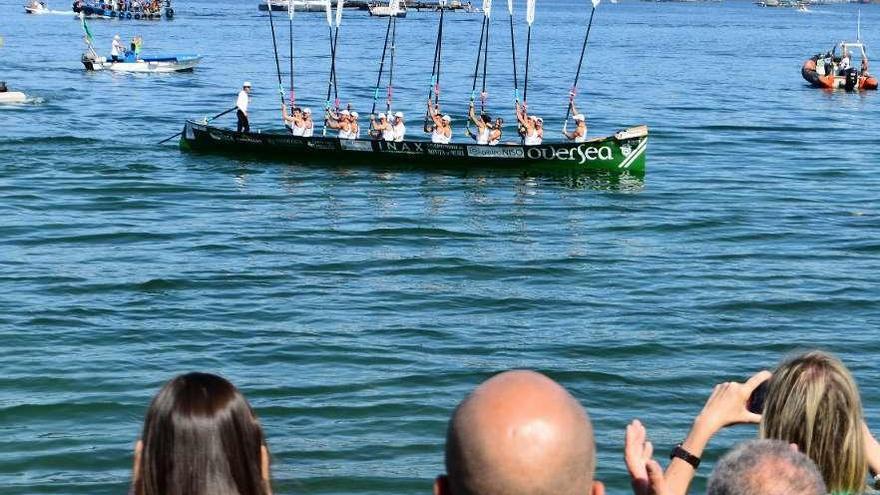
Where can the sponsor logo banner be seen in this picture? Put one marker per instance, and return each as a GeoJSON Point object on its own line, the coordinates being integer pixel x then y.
{"type": "Point", "coordinates": [356, 145]}
{"type": "Point", "coordinates": [322, 144]}
{"type": "Point", "coordinates": [582, 153]}
{"type": "Point", "coordinates": [495, 151]}
{"type": "Point", "coordinates": [406, 147]}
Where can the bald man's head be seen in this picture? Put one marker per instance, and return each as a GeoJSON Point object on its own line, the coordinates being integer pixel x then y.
{"type": "Point", "coordinates": [519, 433]}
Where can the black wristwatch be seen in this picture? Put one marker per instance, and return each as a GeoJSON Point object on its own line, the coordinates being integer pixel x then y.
{"type": "Point", "coordinates": [681, 453]}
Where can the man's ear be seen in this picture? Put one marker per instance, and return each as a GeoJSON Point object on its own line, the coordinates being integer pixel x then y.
{"type": "Point", "coordinates": [598, 488]}
{"type": "Point", "coordinates": [441, 485]}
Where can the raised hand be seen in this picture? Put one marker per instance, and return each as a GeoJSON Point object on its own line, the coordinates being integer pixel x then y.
{"type": "Point", "coordinates": [645, 473]}
{"type": "Point", "coordinates": [727, 404]}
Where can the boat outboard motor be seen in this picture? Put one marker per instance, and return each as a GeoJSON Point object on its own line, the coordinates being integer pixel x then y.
{"type": "Point", "coordinates": [3, 87]}
{"type": "Point", "coordinates": [88, 61]}
{"type": "Point", "coordinates": [852, 80]}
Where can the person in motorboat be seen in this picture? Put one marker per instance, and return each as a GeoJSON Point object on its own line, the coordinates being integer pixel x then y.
{"type": "Point", "coordinates": [483, 123]}
{"type": "Point", "coordinates": [381, 128]}
{"type": "Point", "coordinates": [845, 62]}
{"type": "Point", "coordinates": [441, 131]}
{"type": "Point", "coordinates": [295, 122]}
{"type": "Point", "coordinates": [529, 125]}
{"type": "Point", "coordinates": [116, 49]}
{"type": "Point", "coordinates": [241, 106]}
{"type": "Point", "coordinates": [399, 127]}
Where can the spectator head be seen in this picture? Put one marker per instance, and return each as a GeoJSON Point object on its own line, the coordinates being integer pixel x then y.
{"type": "Point", "coordinates": [813, 401]}
{"type": "Point", "coordinates": [519, 433]}
{"type": "Point", "coordinates": [201, 437]}
{"type": "Point", "coordinates": [765, 467]}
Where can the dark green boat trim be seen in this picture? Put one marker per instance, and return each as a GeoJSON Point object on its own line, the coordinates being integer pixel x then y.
{"type": "Point", "coordinates": [623, 152]}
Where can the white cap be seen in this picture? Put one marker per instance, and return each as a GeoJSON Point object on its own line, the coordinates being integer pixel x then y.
{"type": "Point", "coordinates": [399, 115]}
{"type": "Point", "coordinates": [307, 110]}
{"type": "Point", "coordinates": [539, 120]}
{"type": "Point", "coordinates": [116, 37]}
{"type": "Point", "coordinates": [344, 112]}
{"type": "Point", "coordinates": [447, 118]}
{"type": "Point", "coordinates": [246, 84]}
{"type": "Point", "coordinates": [354, 115]}
{"type": "Point", "coordinates": [381, 116]}
{"type": "Point", "coordinates": [579, 116]}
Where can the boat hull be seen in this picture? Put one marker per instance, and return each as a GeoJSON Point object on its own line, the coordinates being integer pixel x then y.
{"type": "Point", "coordinates": [623, 152]}
{"type": "Point", "coordinates": [12, 97]}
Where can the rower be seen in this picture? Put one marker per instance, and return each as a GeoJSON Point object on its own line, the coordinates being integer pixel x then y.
{"type": "Point", "coordinates": [116, 49]}
{"type": "Point", "coordinates": [308, 124]}
{"type": "Point", "coordinates": [241, 106]}
{"type": "Point", "coordinates": [295, 121]}
{"type": "Point", "coordinates": [441, 131]}
{"type": "Point", "coordinates": [529, 123]}
{"type": "Point", "coordinates": [382, 128]}
{"type": "Point", "coordinates": [483, 125]}
{"type": "Point", "coordinates": [539, 127]}
{"type": "Point", "coordinates": [495, 132]}
{"type": "Point", "coordinates": [344, 122]}
{"type": "Point", "coordinates": [579, 134]}
{"type": "Point", "coordinates": [355, 126]}
{"type": "Point", "coordinates": [399, 127]}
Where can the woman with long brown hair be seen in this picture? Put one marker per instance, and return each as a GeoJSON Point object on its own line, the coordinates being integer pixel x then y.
{"type": "Point", "coordinates": [201, 437]}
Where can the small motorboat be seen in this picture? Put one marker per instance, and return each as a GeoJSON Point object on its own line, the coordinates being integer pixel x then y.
{"type": "Point", "coordinates": [145, 9]}
{"type": "Point", "coordinates": [298, 5]}
{"type": "Point", "coordinates": [838, 70]}
{"type": "Point", "coordinates": [394, 8]}
{"type": "Point", "coordinates": [142, 64]}
{"type": "Point", "coordinates": [36, 7]}
{"type": "Point", "coordinates": [7, 96]}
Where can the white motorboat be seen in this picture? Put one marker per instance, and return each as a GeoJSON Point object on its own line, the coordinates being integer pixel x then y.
{"type": "Point", "coordinates": [145, 64]}
{"type": "Point", "coordinates": [36, 7]}
{"type": "Point", "coordinates": [7, 96]}
{"type": "Point", "coordinates": [298, 5]}
{"type": "Point", "coordinates": [394, 8]}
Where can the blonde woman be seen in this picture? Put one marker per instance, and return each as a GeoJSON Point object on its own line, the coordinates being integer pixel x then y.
{"type": "Point", "coordinates": [811, 401]}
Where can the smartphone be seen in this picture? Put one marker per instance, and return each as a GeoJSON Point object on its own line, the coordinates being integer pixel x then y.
{"type": "Point", "coordinates": [755, 403]}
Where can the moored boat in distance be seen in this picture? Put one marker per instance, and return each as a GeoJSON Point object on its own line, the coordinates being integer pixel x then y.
{"type": "Point", "coordinates": [397, 9]}
{"type": "Point", "coordinates": [128, 9]}
{"type": "Point", "coordinates": [622, 152]}
{"type": "Point", "coordinates": [298, 5]}
{"type": "Point", "coordinates": [36, 7]}
{"type": "Point", "coordinates": [143, 64]}
{"type": "Point", "coordinates": [839, 71]}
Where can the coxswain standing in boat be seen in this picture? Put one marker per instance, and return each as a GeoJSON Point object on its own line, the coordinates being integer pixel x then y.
{"type": "Point", "coordinates": [116, 49]}
{"type": "Point", "coordinates": [242, 107]}
{"type": "Point", "coordinates": [441, 131]}
{"type": "Point", "coordinates": [381, 127]}
{"type": "Point", "coordinates": [531, 136]}
{"type": "Point", "coordinates": [399, 127]}
{"type": "Point", "coordinates": [845, 63]}
{"type": "Point", "coordinates": [579, 134]}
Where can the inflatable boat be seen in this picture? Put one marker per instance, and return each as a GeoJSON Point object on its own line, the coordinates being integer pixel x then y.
{"type": "Point", "coordinates": [833, 70]}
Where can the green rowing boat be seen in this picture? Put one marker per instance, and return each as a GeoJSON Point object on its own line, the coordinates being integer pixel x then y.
{"type": "Point", "coordinates": [622, 152]}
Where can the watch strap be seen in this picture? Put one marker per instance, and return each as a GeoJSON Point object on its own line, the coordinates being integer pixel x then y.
{"type": "Point", "coordinates": [679, 452]}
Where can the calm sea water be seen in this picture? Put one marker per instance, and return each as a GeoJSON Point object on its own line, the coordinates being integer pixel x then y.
{"type": "Point", "coordinates": [355, 307]}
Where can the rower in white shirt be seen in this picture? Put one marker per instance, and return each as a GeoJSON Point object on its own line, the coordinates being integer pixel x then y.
{"type": "Point", "coordinates": [399, 127]}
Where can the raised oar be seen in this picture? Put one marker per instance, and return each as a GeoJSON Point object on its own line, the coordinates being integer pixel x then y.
{"type": "Point", "coordinates": [275, 47]}
{"type": "Point", "coordinates": [435, 68]}
{"type": "Point", "coordinates": [381, 66]}
{"type": "Point", "coordinates": [206, 120]}
{"type": "Point", "coordinates": [581, 62]}
{"type": "Point", "coordinates": [329, 10]}
{"type": "Point", "coordinates": [290, 10]}
{"type": "Point", "coordinates": [487, 11]}
{"type": "Point", "coordinates": [390, 94]}
{"type": "Point", "coordinates": [530, 18]}
{"type": "Point", "coordinates": [513, 51]}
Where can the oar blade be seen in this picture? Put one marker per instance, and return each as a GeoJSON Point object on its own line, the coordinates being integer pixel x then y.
{"type": "Point", "coordinates": [328, 7]}
{"type": "Point", "coordinates": [530, 12]}
{"type": "Point", "coordinates": [487, 8]}
{"type": "Point", "coordinates": [595, 3]}
{"type": "Point", "coordinates": [339, 5]}
{"type": "Point", "coordinates": [510, 7]}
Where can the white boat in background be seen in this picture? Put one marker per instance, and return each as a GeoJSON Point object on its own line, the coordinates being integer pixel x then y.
{"type": "Point", "coordinates": [394, 8]}
{"type": "Point", "coordinates": [36, 7]}
{"type": "Point", "coordinates": [298, 5]}
{"type": "Point", "coordinates": [7, 96]}
{"type": "Point", "coordinates": [157, 64]}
